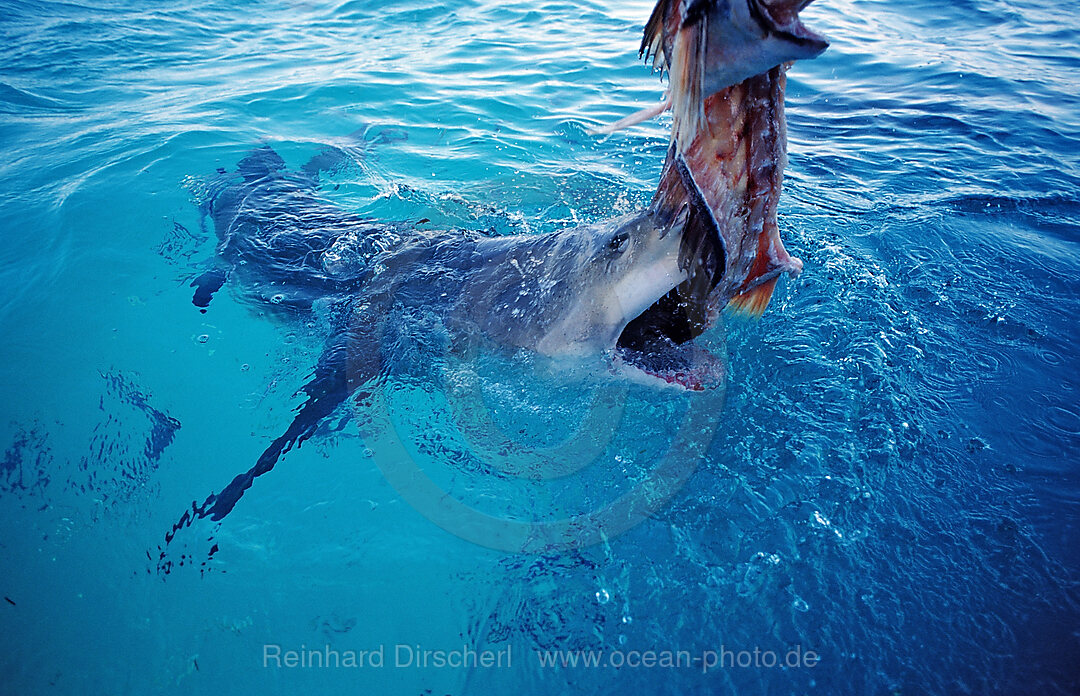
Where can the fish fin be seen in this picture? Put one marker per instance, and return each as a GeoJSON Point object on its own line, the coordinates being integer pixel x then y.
{"type": "Point", "coordinates": [684, 62]}
{"type": "Point", "coordinates": [686, 83]}
{"type": "Point", "coordinates": [328, 388]}
{"type": "Point", "coordinates": [330, 160]}
{"type": "Point", "coordinates": [753, 302]}
{"type": "Point", "coordinates": [633, 119]}
{"type": "Point", "coordinates": [652, 43]}
{"type": "Point", "coordinates": [352, 149]}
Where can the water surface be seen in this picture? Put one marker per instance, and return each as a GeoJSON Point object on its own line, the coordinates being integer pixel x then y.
{"type": "Point", "coordinates": [891, 481]}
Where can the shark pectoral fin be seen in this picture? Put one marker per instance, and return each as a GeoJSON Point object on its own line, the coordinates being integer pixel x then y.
{"type": "Point", "coordinates": [633, 119]}
{"type": "Point", "coordinates": [348, 362]}
{"type": "Point", "coordinates": [333, 158]}
{"type": "Point", "coordinates": [328, 388]}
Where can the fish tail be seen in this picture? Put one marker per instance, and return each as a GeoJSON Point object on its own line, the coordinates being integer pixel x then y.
{"type": "Point", "coordinates": [753, 302]}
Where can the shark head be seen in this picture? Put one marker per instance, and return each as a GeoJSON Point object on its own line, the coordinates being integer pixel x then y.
{"type": "Point", "coordinates": [637, 288]}
{"type": "Point", "coordinates": [657, 338]}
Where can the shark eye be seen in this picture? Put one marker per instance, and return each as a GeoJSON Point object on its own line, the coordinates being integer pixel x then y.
{"type": "Point", "coordinates": [619, 242]}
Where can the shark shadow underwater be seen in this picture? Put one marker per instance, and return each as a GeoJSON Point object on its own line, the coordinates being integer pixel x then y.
{"type": "Point", "coordinates": [638, 289]}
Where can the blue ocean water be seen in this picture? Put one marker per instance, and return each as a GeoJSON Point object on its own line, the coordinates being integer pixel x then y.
{"type": "Point", "coordinates": [888, 480]}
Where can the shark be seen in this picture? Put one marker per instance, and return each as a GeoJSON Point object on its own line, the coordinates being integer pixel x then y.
{"type": "Point", "coordinates": [636, 289]}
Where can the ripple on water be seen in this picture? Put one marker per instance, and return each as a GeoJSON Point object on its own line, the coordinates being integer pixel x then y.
{"type": "Point", "coordinates": [994, 364]}
{"type": "Point", "coordinates": [1050, 357]}
{"type": "Point", "coordinates": [1065, 420]}
{"type": "Point", "coordinates": [1033, 440]}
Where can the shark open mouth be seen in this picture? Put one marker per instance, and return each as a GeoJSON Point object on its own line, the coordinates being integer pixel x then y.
{"type": "Point", "coordinates": [659, 343]}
